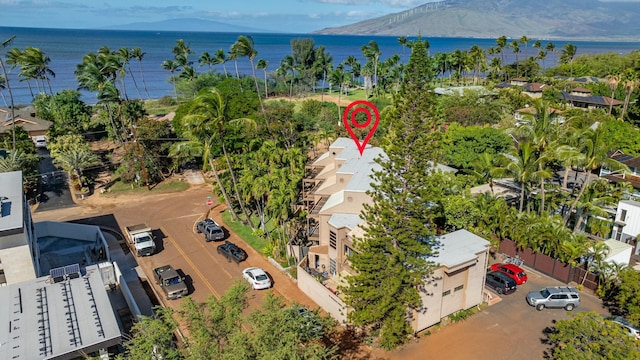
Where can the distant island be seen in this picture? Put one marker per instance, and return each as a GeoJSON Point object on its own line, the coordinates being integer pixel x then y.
{"type": "Point", "coordinates": [186, 24]}
{"type": "Point", "coordinates": [549, 19]}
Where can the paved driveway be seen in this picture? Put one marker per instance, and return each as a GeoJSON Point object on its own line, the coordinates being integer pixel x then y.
{"type": "Point", "coordinates": [510, 329]}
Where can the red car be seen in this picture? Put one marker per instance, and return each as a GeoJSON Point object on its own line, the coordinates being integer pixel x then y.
{"type": "Point", "coordinates": [513, 271]}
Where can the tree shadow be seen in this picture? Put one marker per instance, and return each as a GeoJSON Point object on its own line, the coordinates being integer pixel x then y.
{"type": "Point", "coordinates": [350, 344]}
{"type": "Point", "coordinates": [158, 238]}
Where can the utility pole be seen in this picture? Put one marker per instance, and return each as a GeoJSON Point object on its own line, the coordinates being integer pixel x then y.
{"type": "Point", "coordinates": [139, 149]}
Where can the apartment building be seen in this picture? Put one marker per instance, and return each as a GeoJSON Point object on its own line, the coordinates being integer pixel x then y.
{"type": "Point", "coordinates": [334, 194]}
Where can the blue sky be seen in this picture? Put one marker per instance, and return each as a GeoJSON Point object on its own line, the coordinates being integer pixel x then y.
{"type": "Point", "coordinates": [291, 16]}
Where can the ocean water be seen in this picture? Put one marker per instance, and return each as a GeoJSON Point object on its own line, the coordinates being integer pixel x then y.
{"type": "Point", "coordinates": [66, 48]}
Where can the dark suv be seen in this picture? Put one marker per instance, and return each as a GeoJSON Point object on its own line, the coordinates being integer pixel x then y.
{"type": "Point", "coordinates": [212, 231]}
{"type": "Point", "coordinates": [500, 283]}
{"type": "Point", "coordinates": [554, 297]}
{"type": "Point", "coordinates": [232, 252]}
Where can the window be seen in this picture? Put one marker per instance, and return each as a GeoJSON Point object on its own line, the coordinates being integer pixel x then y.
{"type": "Point", "coordinates": [446, 293]}
{"type": "Point", "coordinates": [623, 215]}
{"type": "Point", "coordinates": [348, 252]}
{"type": "Point", "coordinates": [332, 266]}
{"type": "Point", "coordinates": [458, 288]}
{"type": "Point", "coordinates": [332, 239]}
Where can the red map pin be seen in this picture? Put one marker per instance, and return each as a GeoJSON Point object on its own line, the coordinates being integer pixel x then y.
{"type": "Point", "coordinates": [350, 122]}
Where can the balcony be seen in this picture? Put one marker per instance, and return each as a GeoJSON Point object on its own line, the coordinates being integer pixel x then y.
{"type": "Point", "coordinates": [313, 233]}
{"type": "Point", "coordinates": [315, 208]}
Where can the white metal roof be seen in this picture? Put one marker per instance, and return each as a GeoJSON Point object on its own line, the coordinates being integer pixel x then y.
{"type": "Point", "coordinates": [350, 221]}
{"type": "Point", "coordinates": [40, 319]}
{"type": "Point", "coordinates": [12, 211]}
{"type": "Point", "coordinates": [458, 247]}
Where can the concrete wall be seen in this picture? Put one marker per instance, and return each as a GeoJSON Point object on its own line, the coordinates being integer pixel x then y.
{"type": "Point", "coordinates": [81, 232]}
{"type": "Point", "coordinates": [327, 300]}
{"type": "Point", "coordinates": [632, 219]}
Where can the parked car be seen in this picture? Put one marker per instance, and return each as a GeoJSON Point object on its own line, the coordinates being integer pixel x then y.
{"type": "Point", "coordinates": [212, 231]}
{"type": "Point", "coordinates": [201, 225]}
{"type": "Point", "coordinates": [513, 271]}
{"type": "Point", "coordinates": [40, 142]}
{"type": "Point", "coordinates": [554, 297]}
{"type": "Point", "coordinates": [258, 279]}
{"type": "Point", "coordinates": [633, 330]}
{"type": "Point", "coordinates": [232, 252]}
{"type": "Point", "coordinates": [500, 283]}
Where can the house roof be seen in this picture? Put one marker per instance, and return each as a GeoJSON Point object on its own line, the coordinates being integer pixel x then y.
{"type": "Point", "coordinates": [534, 87]}
{"type": "Point", "coordinates": [11, 213]}
{"type": "Point", "coordinates": [24, 117]}
{"type": "Point", "coordinates": [592, 99]}
{"type": "Point", "coordinates": [533, 111]}
{"type": "Point", "coordinates": [339, 220]}
{"type": "Point", "coordinates": [459, 247]}
{"type": "Point", "coordinates": [41, 319]}
{"type": "Point", "coordinates": [616, 247]}
{"type": "Point", "coordinates": [581, 90]}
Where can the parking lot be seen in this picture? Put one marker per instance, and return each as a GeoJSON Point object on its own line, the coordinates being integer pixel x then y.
{"type": "Point", "coordinates": [509, 329]}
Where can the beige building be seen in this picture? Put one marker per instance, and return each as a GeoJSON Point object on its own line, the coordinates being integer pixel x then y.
{"type": "Point", "coordinates": [334, 194]}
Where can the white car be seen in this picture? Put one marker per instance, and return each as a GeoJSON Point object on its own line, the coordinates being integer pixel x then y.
{"type": "Point", "coordinates": [624, 323]}
{"type": "Point", "coordinates": [257, 278]}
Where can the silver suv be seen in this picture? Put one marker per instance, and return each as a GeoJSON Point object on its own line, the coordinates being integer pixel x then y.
{"type": "Point", "coordinates": [554, 297]}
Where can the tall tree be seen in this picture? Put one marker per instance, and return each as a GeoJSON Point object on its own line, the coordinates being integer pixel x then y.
{"type": "Point", "coordinates": [613, 80]}
{"type": "Point", "coordinates": [245, 47]}
{"type": "Point", "coordinates": [207, 122]}
{"type": "Point", "coordinates": [594, 155]}
{"type": "Point", "coordinates": [3, 45]}
{"type": "Point", "coordinates": [221, 58]}
{"type": "Point", "coordinates": [138, 54]}
{"type": "Point", "coordinates": [262, 65]}
{"type": "Point", "coordinates": [587, 336]}
{"type": "Point", "coordinates": [631, 81]}
{"type": "Point", "coordinates": [391, 259]}
{"type": "Point", "coordinates": [568, 54]}
{"type": "Point", "coordinates": [372, 53]}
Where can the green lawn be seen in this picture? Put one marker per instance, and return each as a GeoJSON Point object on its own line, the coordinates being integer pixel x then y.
{"type": "Point", "coordinates": [245, 232]}
{"type": "Point", "coordinates": [168, 186]}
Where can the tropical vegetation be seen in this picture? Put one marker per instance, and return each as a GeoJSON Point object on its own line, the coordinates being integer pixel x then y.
{"type": "Point", "coordinates": [248, 135]}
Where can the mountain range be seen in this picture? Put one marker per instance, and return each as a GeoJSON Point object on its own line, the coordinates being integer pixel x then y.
{"type": "Point", "coordinates": [546, 19]}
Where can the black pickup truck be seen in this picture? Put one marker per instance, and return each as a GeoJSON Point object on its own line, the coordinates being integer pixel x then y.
{"type": "Point", "coordinates": [170, 281]}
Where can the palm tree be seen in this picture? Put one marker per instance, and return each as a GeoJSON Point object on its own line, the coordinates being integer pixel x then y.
{"type": "Point", "coordinates": [567, 56]}
{"type": "Point", "coordinates": [337, 77]}
{"type": "Point", "coordinates": [521, 164]}
{"type": "Point", "coordinates": [372, 52]}
{"type": "Point", "coordinates": [595, 155]}
{"type": "Point", "coordinates": [125, 56]}
{"type": "Point", "coordinates": [323, 65]}
{"type": "Point", "coordinates": [515, 47]}
{"type": "Point", "coordinates": [172, 67]}
{"type": "Point", "coordinates": [631, 81]}
{"type": "Point", "coordinates": [593, 201]}
{"type": "Point", "coordinates": [479, 61]}
{"type": "Point", "coordinates": [221, 58]}
{"type": "Point", "coordinates": [3, 45]}
{"type": "Point", "coordinates": [524, 41]}
{"type": "Point", "coordinates": [208, 113]}
{"type": "Point", "coordinates": [262, 64]}
{"type": "Point", "coordinates": [245, 47]}
{"type": "Point", "coordinates": [138, 54]}
{"type": "Point", "coordinates": [286, 64]}
{"type": "Point", "coordinates": [613, 80]}
{"type": "Point", "coordinates": [206, 60]}
{"type": "Point", "coordinates": [501, 43]}
{"type": "Point", "coordinates": [74, 159]}
{"type": "Point", "coordinates": [14, 161]}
